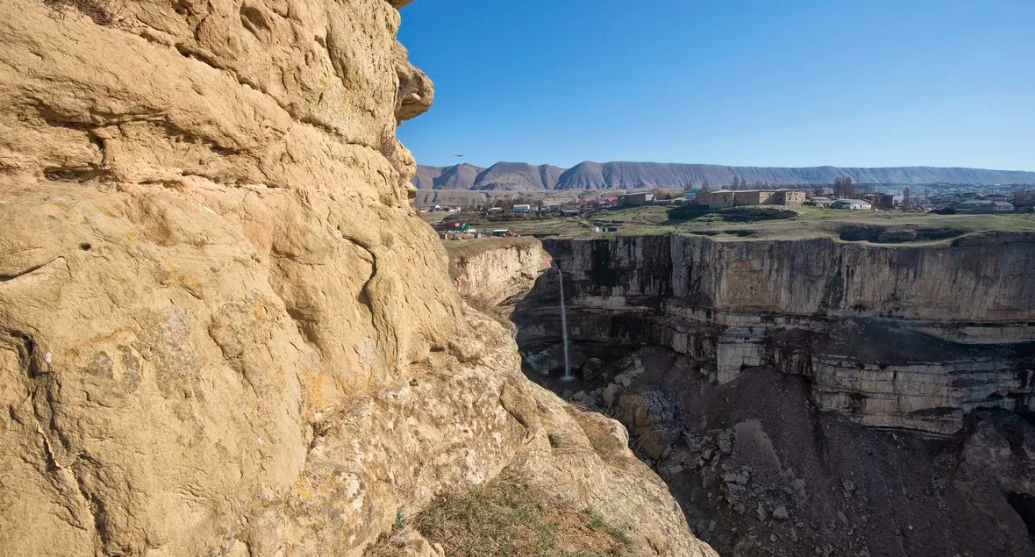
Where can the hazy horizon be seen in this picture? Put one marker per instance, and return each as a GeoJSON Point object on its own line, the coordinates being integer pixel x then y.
{"type": "Point", "coordinates": [533, 163]}
{"type": "Point", "coordinates": [750, 83]}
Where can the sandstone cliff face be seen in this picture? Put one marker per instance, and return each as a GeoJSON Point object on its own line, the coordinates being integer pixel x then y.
{"type": "Point", "coordinates": [491, 273]}
{"type": "Point", "coordinates": [909, 337]}
{"type": "Point", "coordinates": [987, 279]}
{"type": "Point", "coordinates": [223, 330]}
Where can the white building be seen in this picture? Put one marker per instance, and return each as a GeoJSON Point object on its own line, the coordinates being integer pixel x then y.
{"type": "Point", "coordinates": [851, 205]}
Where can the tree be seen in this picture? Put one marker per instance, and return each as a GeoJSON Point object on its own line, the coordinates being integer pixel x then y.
{"type": "Point", "coordinates": [843, 188]}
{"type": "Point", "coordinates": [905, 197]}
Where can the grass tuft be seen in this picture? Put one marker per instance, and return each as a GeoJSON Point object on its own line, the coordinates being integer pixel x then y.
{"type": "Point", "coordinates": [509, 517]}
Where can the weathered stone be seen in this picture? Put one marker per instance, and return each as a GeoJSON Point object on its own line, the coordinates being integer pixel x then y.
{"type": "Point", "coordinates": [224, 329]}
{"type": "Point", "coordinates": [877, 328]}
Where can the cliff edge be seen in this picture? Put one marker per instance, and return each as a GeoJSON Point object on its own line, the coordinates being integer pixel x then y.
{"type": "Point", "coordinates": [223, 328]}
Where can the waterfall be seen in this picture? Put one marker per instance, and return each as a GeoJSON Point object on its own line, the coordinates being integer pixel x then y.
{"type": "Point", "coordinates": [564, 330]}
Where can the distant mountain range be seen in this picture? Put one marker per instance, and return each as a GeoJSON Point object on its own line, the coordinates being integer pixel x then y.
{"type": "Point", "coordinates": [519, 177]}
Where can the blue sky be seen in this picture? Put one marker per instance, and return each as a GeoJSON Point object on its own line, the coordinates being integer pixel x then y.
{"type": "Point", "coordinates": [738, 82]}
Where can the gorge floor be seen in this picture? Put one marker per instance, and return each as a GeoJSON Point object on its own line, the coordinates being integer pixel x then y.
{"type": "Point", "coordinates": [759, 470]}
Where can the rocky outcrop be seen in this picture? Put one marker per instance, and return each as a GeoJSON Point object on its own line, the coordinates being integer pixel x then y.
{"type": "Point", "coordinates": [223, 328]}
{"type": "Point", "coordinates": [760, 470]}
{"type": "Point", "coordinates": [910, 337]}
{"type": "Point", "coordinates": [492, 273]}
{"type": "Point", "coordinates": [757, 461]}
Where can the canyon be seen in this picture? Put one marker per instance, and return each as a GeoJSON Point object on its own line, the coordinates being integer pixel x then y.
{"type": "Point", "coordinates": [950, 325]}
{"type": "Point", "coordinates": [810, 396]}
{"type": "Point", "coordinates": [225, 331]}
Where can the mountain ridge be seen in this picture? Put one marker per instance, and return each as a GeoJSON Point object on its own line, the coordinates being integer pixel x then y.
{"type": "Point", "coordinates": [588, 175]}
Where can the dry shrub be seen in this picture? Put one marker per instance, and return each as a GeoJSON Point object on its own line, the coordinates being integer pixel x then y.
{"type": "Point", "coordinates": [102, 12]}
{"type": "Point", "coordinates": [509, 517]}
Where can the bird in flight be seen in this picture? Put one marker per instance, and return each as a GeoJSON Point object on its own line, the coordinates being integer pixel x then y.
{"type": "Point", "coordinates": [458, 156]}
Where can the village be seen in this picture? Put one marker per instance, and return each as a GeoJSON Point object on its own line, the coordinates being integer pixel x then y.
{"type": "Point", "coordinates": [609, 213]}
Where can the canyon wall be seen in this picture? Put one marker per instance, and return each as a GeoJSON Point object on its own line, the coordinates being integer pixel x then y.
{"type": "Point", "coordinates": [905, 336]}
{"type": "Point", "coordinates": [224, 330]}
{"type": "Point", "coordinates": [492, 273]}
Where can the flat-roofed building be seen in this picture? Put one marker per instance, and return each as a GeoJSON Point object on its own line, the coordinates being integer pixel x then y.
{"type": "Point", "coordinates": [637, 199]}
{"type": "Point", "coordinates": [790, 198]}
{"type": "Point", "coordinates": [752, 197]}
{"type": "Point", "coordinates": [716, 199]}
{"type": "Point", "coordinates": [852, 205]}
{"type": "Point", "coordinates": [724, 198]}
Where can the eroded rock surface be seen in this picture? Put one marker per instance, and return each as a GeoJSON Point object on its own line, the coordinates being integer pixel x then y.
{"type": "Point", "coordinates": [493, 273]}
{"type": "Point", "coordinates": [788, 427]}
{"type": "Point", "coordinates": [903, 337]}
{"type": "Point", "coordinates": [761, 471]}
{"type": "Point", "coordinates": [223, 329]}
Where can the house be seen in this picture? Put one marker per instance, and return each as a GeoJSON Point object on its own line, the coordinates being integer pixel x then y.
{"type": "Point", "coordinates": [725, 198]}
{"type": "Point", "coordinates": [821, 201]}
{"type": "Point", "coordinates": [851, 205]}
{"type": "Point", "coordinates": [522, 208]}
{"type": "Point", "coordinates": [789, 198]}
{"type": "Point", "coordinates": [977, 206]}
{"type": "Point", "coordinates": [1003, 207]}
{"type": "Point", "coordinates": [884, 201]}
{"type": "Point", "coordinates": [691, 194]}
{"type": "Point", "coordinates": [637, 199]}
{"type": "Point", "coordinates": [716, 199]}
{"type": "Point", "coordinates": [570, 211]}
{"type": "Point", "coordinates": [751, 197]}
{"type": "Point", "coordinates": [495, 210]}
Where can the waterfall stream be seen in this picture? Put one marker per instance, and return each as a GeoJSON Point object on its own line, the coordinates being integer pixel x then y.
{"type": "Point", "coordinates": [564, 330]}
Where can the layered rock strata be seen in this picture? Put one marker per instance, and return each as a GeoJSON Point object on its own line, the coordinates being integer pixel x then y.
{"type": "Point", "coordinates": [909, 337]}
{"type": "Point", "coordinates": [494, 273]}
